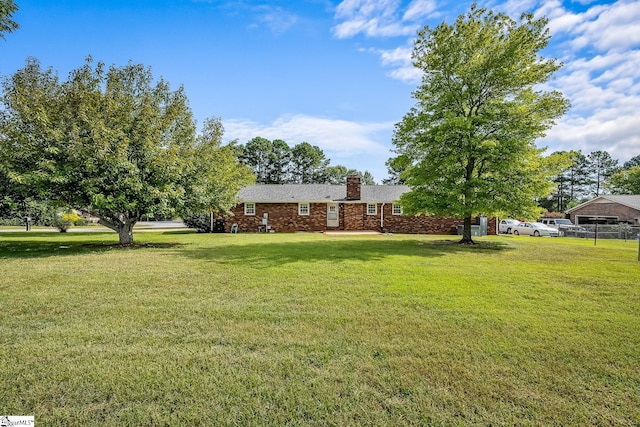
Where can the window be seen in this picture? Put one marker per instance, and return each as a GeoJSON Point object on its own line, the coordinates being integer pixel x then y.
{"type": "Point", "coordinates": [303, 208]}
{"type": "Point", "coordinates": [396, 209]}
{"type": "Point", "coordinates": [372, 209]}
{"type": "Point", "coordinates": [249, 208]}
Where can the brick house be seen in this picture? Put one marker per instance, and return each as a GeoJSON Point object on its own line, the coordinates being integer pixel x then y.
{"type": "Point", "coordinates": [326, 207]}
{"type": "Point", "coordinates": [613, 209]}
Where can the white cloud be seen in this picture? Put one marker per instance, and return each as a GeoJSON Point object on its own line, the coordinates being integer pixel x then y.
{"type": "Point", "coordinates": [600, 78]}
{"type": "Point", "coordinates": [380, 18]}
{"type": "Point", "coordinates": [613, 27]}
{"type": "Point", "coordinates": [400, 60]}
{"type": "Point", "coordinates": [372, 27]}
{"type": "Point", "coordinates": [276, 19]}
{"type": "Point", "coordinates": [616, 134]}
{"type": "Point", "coordinates": [419, 9]}
{"type": "Point", "coordinates": [407, 74]}
{"type": "Point", "coordinates": [349, 8]}
{"type": "Point", "coordinates": [340, 136]}
{"type": "Point", "coordinates": [344, 142]}
{"type": "Point", "coordinates": [400, 55]}
{"type": "Point", "coordinates": [515, 7]}
{"type": "Point", "coordinates": [599, 45]}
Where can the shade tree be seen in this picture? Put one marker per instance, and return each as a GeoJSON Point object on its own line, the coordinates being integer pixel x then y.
{"type": "Point", "coordinates": [625, 181]}
{"type": "Point", "coordinates": [212, 175]}
{"type": "Point", "coordinates": [467, 147]}
{"type": "Point", "coordinates": [111, 141]}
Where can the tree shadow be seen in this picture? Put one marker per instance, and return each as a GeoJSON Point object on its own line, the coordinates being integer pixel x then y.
{"type": "Point", "coordinates": [269, 253]}
{"type": "Point", "coordinates": [42, 245]}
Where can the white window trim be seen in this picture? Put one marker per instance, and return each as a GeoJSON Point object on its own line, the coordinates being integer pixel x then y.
{"type": "Point", "coordinates": [308, 206]}
{"type": "Point", "coordinates": [398, 207]}
{"type": "Point", "coordinates": [375, 209]}
{"type": "Point", "coordinates": [247, 211]}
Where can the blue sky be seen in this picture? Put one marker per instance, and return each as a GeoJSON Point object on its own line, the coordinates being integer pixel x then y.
{"type": "Point", "coordinates": [336, 74]}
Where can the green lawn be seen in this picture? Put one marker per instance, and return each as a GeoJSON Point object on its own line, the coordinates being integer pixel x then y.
{"type": "Point", "coordinates": [312, 329]}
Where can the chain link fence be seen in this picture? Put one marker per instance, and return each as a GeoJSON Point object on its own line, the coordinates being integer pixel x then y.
{"type": "Point", "coordinates": [605, 231]}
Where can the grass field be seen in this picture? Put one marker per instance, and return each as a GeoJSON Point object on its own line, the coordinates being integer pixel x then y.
{"type": "Point", "coordinates": [312, 329]}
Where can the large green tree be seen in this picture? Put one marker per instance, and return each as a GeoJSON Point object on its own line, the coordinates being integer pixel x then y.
{"type": "Point", "coordinates": [111, 141]}
{"type": "Point", "coordinates": [213, 176]}
{"type": "Point", "coordinates": [308, 164]}
{"type": "Point", "coordinates": [577, 175]}
{"type": "Point", "coordinates": [558, 199]}
{"type": "Point", "coordinates": [275, 162]}
{"type": "Point", "coordinates": [337, 175]}
{"type": "Point", "coordinates": [600, 166]}
{"type": "Point", "coordinates": [626, 181]}
{"type": "Point", "coordinates": [632, 162]}
{"type": "Point", "coordinates": [7, 189]}
{"type": "Point", "coordinates": [468, 145]}
{"type": "Point", "coordinates": [7, 24]}
{"type": "Point", "coordinates": [258, 155]}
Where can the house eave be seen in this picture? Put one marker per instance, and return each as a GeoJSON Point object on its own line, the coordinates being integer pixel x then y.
{"type": "Point", "coordinates": [603, 197]}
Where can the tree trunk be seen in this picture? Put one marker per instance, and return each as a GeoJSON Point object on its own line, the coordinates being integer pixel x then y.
{"type": "Point", "coordinates": [123, 228]}
{"type": "Point", "coordinates": [466, 232]}
{"type": "Point", "coordinates": [125, 233]}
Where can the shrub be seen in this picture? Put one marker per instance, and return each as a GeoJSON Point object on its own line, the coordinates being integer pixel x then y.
{"type": "Point", "coordinates": [64, 220]}
{"type": "Point", "coordinates": [201, 222]}
{"type": "Point", "coordinates": [12, 222]}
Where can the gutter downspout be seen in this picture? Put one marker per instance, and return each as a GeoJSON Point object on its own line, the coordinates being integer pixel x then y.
{"type": "Point", "coordinates": [382, 218]}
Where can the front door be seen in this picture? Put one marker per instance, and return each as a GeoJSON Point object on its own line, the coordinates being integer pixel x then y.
{"type": "Point", "coordinates": [332, 215]}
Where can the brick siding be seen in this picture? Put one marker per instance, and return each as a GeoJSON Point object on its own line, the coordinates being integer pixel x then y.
{"type": "Point", "coordinates": [624, 213]}
{"type": "Point", "coordinates": [353, 188]}
{"type": "Point", "coordinates": [283, 217]}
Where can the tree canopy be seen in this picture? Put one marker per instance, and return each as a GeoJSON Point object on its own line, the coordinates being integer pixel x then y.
{"type": "Point", "coordinates": [599, 166]}
{"type": "Point", "coordinates": [110, 141]}
{"type": "Point", "coordinates": [468, 145]}
{"type": "Point", "coordinates": [275, 162]}
{"type": "Point", "coordinates": [7, 24]}
{"type": "Point", "coordinates": [212, 176]}
{"type": "Point", "coordinates": [634, 161]}
{"type": "Point", "coordinates": [626, 181]}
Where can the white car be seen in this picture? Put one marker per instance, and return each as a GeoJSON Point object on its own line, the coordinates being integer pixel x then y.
{"type": "Point", "coordinates": [563, 225]}
{"type": "Point", "coordinates": [535, 229]}
{"type": "Point", "coordinates": [507, 225]}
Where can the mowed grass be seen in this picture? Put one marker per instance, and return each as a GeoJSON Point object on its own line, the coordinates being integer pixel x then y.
{"type": "Point", "coordinates": [312, 329]}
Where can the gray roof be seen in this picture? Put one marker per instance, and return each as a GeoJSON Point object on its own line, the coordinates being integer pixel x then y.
{"type": "Point", "coordinates": [319, 193]}
{"type": "Point", "coordinates": [630, 200]}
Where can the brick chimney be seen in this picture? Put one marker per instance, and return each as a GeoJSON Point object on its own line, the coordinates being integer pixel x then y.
{"type": "Point", "coordinates": [353, 187]}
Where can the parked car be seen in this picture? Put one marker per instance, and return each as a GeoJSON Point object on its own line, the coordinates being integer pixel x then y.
{"type": "Point", "coordinates": [506, 225]}
{"type": "Point", "coordinates": [535, 229]}
{"type": "Point", "coordinates": [561, 224]}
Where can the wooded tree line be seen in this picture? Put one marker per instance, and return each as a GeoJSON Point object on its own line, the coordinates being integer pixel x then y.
{"type": "Point", "coordinates": [591, 175]}
{"type": "Point", "coordinates": [275, 162]}
{"type": "Point", "coordinates": [581, 177]}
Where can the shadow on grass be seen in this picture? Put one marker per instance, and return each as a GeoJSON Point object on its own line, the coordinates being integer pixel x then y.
{"type": "Point", "coordinates": [262, 253]}
{"type": "Point", "coordinates": [273, 253]}
{"type": "Point", "coordinates": [41, 245]}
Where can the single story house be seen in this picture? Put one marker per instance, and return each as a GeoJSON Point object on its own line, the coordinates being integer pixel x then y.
{"type": "Point", "coordinates": [609, 208]}
{"type": "Point", "coordinates": [326, 207]}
